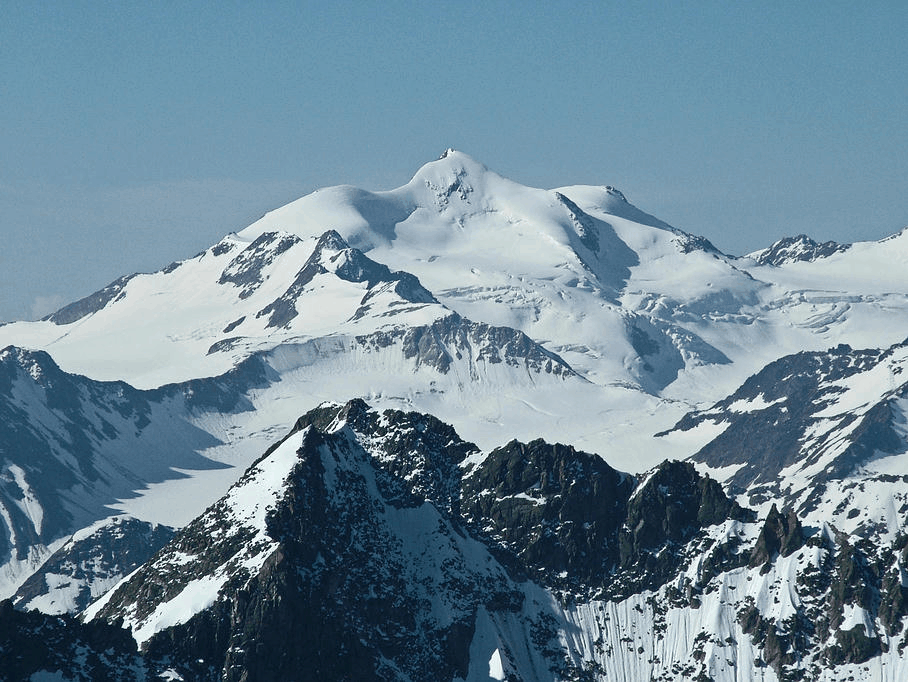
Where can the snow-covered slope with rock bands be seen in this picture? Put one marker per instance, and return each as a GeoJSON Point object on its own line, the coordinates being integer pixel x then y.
{"type": "Point", "coordinates": [656, 319]}
{"type": "Point", "coordinates": [508, 312]}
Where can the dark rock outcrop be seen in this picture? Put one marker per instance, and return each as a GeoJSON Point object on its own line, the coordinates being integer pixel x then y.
{"type": "Point", "coordinates": [453, 337]}
{"type": "Point", "coordinates": [771, 418]}
{"type": "Point", "coordinates": [33, 643]}
{"type": "Point", "coordinates": [111, 552]}
{"type": "Point", "coordinates": [781, 535]}
{"type": "Point", "coordinates": [573, 523]}
{"type": "Point", "coordinates": [90, 304]}
{"type": "Point", "coordinates": [383, 545]}
{"type": "Point", "coordinates": [800, 248]}
{"type": "Point", "coordinates": [556, 510]}
{"type": "Point", "coordinates": [333, 255]}
{"type": "Point", "coordinates": [245, 270]}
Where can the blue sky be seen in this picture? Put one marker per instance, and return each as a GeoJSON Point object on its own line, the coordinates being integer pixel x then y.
{"type": "Point", "coordinates": [133, 134]}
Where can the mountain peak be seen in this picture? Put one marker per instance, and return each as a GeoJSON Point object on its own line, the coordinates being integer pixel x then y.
{"type": "Point", "coordinates": [332, 241]}
{"type": "Point", "coordinates": [449, 167]}
{"type": "Point", "coordinates": [37, 363]}
{"type": "Point", "coordinates": [332, 254]}
{"type": "Point", "coordinates": [795, 249]}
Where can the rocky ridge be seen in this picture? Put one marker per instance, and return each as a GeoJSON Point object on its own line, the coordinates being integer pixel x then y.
{"type": "Point", "coordinates": [797, 249]}
{"type": "Point", "coordinates": [411, 553]}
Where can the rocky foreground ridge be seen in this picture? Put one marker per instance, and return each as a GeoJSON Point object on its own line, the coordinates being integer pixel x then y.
{"type": "Point", "coordinates": [379, 545]}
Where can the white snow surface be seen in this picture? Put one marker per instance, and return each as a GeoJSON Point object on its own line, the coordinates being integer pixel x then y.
{"type": "Point", "coordinates": [504, 254]}
{"type": "Point", "coordinates": [496, 667]}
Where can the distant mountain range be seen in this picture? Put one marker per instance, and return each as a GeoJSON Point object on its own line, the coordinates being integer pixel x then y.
{"type": "Point", "coordinates": [462, 430]}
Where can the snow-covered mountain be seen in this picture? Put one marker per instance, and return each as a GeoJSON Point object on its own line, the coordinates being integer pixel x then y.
{"type": "Point", "coordinates": [655, 320]}
{"type": "Point", "coordinates": [375, 545]}
{"type": "Point", "coordinates": [513, 315]}
{"type": "Point", "coordinates": [794, 249]}
{"type": "Point", "coordinates": [71, 447]}
{"type": "Point", "coordinates": [823, 433]}
{"type": "Point", "coordinates": [90, 563]}
{"type": "Point", "coordinates": [363, 539]}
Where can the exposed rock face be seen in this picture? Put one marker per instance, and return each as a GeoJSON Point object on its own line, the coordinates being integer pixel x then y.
{"type": "Point", "coordinates": [800, 248]}
{"type": "Point", "coordinates": [246, 269]}
{"type": "Point", "coordinates": [417, 456]}
{"type": "Point", "coordinates": [843, 583]}
{"type": "Point", "coordinates": [781, 535]}
{"type": "Point", "coordinates": [87, 566]}
{"type": "Point", "coordinates": [90, 304]}
{"type": "Point", "coordinates": [556, 510]}
{"type": "Point", "coordinates": [60, 647]}
{"type": "Point", "coordinates": [584, 225]}
{"type": "Point", "coordinates": [579, 527]}
{"type": "Point", "coordinates": [378, 545]}
{"type": "Point", "coordinates": [333, 255]}
{"type": "Point", "coordinates": [668, 510]}
{"type": "Point", "coordinates": [786, 417]}
{"type": "Point", "coordinates": [672, 502]}
{"type": "Point", "coordinates": [453, 338]}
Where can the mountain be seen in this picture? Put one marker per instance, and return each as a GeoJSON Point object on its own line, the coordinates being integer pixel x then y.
{"type": "Point", "coordinates": [820, 432]}
{"type": "Point", "coordinates": [794, 249]}
{"type": "Point", "coordinates": [34, 646]}
{"type": "Point", "coordinates": [654, 320]}
{"type": "Point", "coordinates": [90, 563]}
{"type": "Point", "coordinates": [379, 545]}
{"type": "Point", "coordinates": [75, 449]}
{"type": "Point", "coordinates": [471, 358]}
{"type": "Point", "coordinates": [71, 447]}
{"type": "Point", "coordinates": [363, 539]}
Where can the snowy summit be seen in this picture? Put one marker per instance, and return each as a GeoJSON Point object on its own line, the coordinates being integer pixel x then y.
{"type": "Point", "coordinates": [464, 429]}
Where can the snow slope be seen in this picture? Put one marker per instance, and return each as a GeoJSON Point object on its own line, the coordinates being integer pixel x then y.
{"type": "Point", "coordinates": [623, 298]}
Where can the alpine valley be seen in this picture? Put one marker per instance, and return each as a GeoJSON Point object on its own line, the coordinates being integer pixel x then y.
{"type": "Point", "coordinates": [463, 430]}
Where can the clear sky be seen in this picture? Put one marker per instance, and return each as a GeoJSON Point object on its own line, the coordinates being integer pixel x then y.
{"type": "Point", "coordinates": [135, 133]}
